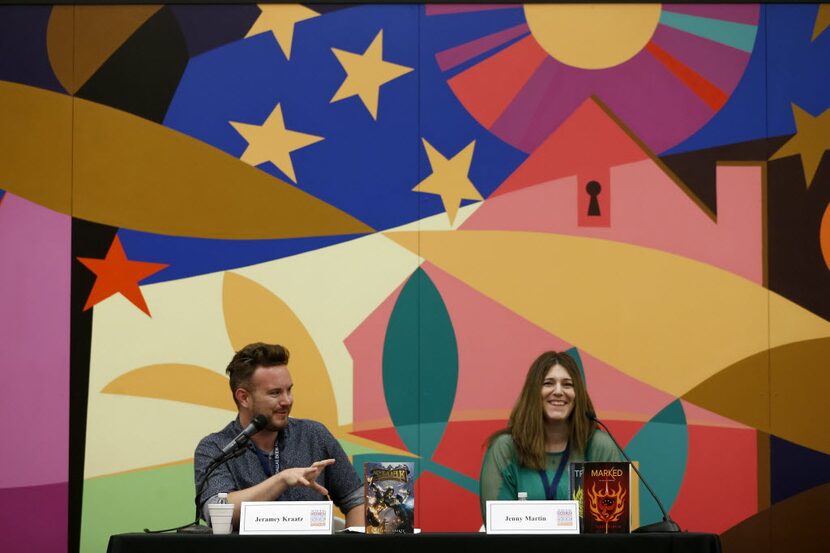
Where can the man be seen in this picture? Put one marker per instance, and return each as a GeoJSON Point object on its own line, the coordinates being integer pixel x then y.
{"type": "Point", "coordinates": [285, 459]}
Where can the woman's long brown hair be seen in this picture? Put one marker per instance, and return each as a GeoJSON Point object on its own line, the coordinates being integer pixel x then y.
{"type": "Point", "coordinates": [526, 424]}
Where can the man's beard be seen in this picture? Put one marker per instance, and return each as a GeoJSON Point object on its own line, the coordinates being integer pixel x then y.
{"type": "Point", "coordinates": [271, 427]}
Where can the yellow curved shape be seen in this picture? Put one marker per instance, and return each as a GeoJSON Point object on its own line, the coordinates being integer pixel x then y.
{"type": "Point", "coordinates": [36, 145]}
{"type": "Point", "coordinates": [592, 36]}
{"type": "Point", "coordinates": [254, 314]}
{"type": "Point", "coordinates": [128, 172]}
{"type": "Point", "coordinates": [175, 382]}
{"type": "Point", "coordinates": [666, 320]}
{"type": "Point", "coordinates": [775, 391]}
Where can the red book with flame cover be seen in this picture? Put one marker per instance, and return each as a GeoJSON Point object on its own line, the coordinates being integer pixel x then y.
{"type": "Point", "coordinates": [606, 498]}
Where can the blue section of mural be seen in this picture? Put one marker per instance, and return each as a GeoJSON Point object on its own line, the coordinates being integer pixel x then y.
{"type": "Point", "coordinates": [797, 66]}
{"type": "Point", "coordinates": [795, 469]}
{"type": "Point", "coordinates": [195, 256]}
{"type": "Point", "coordinates": [445, 123]}
{"type": "Point", "coordinates": [786, 67]}
{"type": "Point", "coordinates": [441, 32]}
{"type": "Point", "coordinates": [363, 166]}
{"type": "Point", "coordinates": [238, 82]}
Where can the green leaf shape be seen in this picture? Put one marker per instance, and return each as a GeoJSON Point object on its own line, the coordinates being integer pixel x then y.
{"type": "Point", "coordinates": [574, 352]}
{"type": "Point", "coordinates": [128, 502]}
{"type": "Point", "coordinates": [662, 448]}
{"type": "Point", "coordinates": [420, 365]}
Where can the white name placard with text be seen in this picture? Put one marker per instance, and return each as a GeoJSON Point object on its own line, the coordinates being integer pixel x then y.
{"type": "Point", "coordinates": [532, 517]}
{"type": "Point", "coordinates": [285, 517]}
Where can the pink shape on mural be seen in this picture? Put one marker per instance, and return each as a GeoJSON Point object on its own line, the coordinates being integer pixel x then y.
{"type": "Point", "coordinates": [703, 417]}
{"type": "Point", "coordinates": [365, 345]}
{"type": "Point", "coordinates": [495, 348]}
{"type": "Point", "coordinates": [649, 210]}
{"type": "Point", "coordinates": [35, 246]}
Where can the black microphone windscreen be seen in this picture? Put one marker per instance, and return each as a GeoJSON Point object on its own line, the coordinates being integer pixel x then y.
{"type": "Point", "coordinates": [591, 415]}
{"type": "Point", "coordinates": [259, 422]}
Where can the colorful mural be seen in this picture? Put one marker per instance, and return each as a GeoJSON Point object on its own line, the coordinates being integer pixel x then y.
{"type": "Point", "coordinates": [416, 200]}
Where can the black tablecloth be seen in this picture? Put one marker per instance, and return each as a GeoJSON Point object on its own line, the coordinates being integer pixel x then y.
{"type": "Point", "coordinates": [686, 542]}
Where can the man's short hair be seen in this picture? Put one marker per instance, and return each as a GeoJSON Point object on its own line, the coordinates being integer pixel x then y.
{"type": "Point", "coordinates": [251, 357]}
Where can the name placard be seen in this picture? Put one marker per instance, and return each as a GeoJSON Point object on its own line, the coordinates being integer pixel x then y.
{"type": "Point", "coordinates": [532, 517]}
{"type": "Point", "coordinates": [285, 517]}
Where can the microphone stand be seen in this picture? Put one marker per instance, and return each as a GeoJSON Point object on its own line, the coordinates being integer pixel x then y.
{"type": "Point", "coordinates": [194, 527]}
{"type": "Point", "coordinates": [667, 524]}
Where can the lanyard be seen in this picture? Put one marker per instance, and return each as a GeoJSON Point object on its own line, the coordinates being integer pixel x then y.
{"type": "Point", "coordinates": [263, 460]}
{"type": "Point", "coordinates": [550, 488]}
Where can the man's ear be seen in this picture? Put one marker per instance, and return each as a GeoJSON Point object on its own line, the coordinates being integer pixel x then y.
{"type": "Point", "coordinates": [243, 397]}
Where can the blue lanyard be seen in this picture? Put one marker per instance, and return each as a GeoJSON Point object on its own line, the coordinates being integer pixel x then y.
{"type": "Point", "coordinates": [263, 460]}
{"type": "Point", "coordinates": [550, 488]}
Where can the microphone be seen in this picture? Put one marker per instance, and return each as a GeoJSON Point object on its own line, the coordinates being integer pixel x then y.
{"type": "Point", "coordinates": [233, 449]}
{"type": "Point", "coordinates": [243, 437]}
{"type": "Point", "coordinates": [667, 524]}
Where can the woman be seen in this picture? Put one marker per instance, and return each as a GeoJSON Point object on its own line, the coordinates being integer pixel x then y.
{"type": "Point", "coordinates": [548, 430]}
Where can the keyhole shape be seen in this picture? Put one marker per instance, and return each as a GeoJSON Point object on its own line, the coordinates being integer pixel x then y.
{"type": "Point", "coordinates": [593, 188]}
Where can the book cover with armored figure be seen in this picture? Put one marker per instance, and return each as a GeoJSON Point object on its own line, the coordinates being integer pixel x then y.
{"type": "Point", "coordinates": [390, 498]}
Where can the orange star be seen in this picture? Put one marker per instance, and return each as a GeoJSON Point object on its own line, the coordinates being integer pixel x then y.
{"type": "Point", "coordinates": [117, 274]}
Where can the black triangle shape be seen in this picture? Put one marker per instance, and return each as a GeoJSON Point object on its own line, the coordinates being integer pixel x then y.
{"type": "Point", "coordinates": [141, 77]}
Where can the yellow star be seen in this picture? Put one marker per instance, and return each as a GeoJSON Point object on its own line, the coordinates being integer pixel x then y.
{"type": "Point", "coordinates": [280, 19]}
{"type": "Point", "coordinates": [366, 73]}
{"type": "Point", "coordinates": [272, 142]}
{"type": "Point", "coordinates": [822, 20]}
{"type": "Point", "coordinates": [811, 140]}
{"type": "Point", "coordinates": [449, 178]}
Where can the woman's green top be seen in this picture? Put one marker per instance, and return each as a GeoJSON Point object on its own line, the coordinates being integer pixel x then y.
{"type": "Point", "coordinates": [502, 477]}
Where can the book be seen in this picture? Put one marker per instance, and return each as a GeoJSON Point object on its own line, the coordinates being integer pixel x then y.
{"type": "Point", "coordinates": [389, 489]}
{"type": "Point", "coordinates": [575, 492]}
{"type": "Point", "coordinates": [605, 493]}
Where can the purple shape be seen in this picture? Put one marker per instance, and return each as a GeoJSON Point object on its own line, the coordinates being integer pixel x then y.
{"type": "Point", "coordinates": [548, 98]}
{"type": "Point", "coordinates": [206, 27]}
{"type": "Point", "coordinates": [447, 9]}
{"type": "Point", "coordinates": [34, 338]}
{"type": "Point", "coordinates": [646, 96]}
{"type": "Point", "coordinates": [658, 108]}
{"type": "Point", "coordinates": [738, 13]}
{"type": "Point", "coordinates": [720, 65]}
{"type": "Point", "coordinates": [458, 55]}
{"type": "Point", "coordinates": [35, 519]}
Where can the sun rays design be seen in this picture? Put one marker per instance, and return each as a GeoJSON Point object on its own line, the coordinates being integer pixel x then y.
{"type": "Point", "coordinates": [665, 70]}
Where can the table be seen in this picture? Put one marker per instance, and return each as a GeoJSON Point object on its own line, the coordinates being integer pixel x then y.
{"type": "Point", "coordinates": [686, 542]}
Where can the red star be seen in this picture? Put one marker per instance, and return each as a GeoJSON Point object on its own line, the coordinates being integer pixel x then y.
{"type": "Point", "coordinates": [117, 274]}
